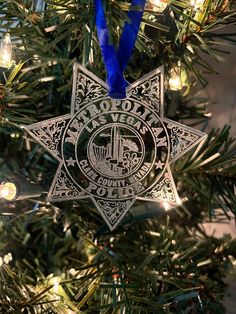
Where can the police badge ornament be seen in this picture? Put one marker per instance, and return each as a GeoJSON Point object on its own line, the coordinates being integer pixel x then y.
{"type": "Point", "coordinates": [115, 151]}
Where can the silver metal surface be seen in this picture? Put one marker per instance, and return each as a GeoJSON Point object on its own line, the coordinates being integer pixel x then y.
{"type": "Point", "coordinates": [115, 151]}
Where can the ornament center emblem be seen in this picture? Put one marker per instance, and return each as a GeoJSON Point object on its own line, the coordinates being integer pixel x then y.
{"type": "Point", "coordinates": [119, 150]}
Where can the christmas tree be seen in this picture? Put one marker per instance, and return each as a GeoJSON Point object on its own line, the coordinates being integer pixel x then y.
{"type": "Point", "coordinates": [60, 257]}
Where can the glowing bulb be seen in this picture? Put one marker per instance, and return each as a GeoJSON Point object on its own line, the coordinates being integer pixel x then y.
{"type": "Point", "coordinates": [8, 191]}
{"type": "Point", "coordinates": [166, 206]}
{"type": "Point", "coordinates": [15, 135]}
{"type": "Point", "coordinates": [157, 5]}
{"type": "Point", "coordinates": [175, 82]}
{"type": "Point", "coordinates": [55, 281]}
{"type": "Point", "coordinates": [196, 4]}
{"type": "Point", "coordinates": [56, 286]}
{"type": "Point", "coordinates": [199, 6]}
{"type": "Point", "coordinates": [179, 202]}
{"type": "Point", "coordinates": [7, 258]}
{"type": "Point", "coordinates": [6, 52]}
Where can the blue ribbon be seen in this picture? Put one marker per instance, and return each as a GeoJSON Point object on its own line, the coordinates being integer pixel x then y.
{"type": "Point", "coordinates": [116, 61]}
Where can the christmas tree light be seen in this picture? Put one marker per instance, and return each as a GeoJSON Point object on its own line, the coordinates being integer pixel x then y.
{"type": "Point", "coordinates": [199, 6]}
{"type": "Point", "coordinates": [8, 191]}
{"type": "Point", "coordinates": [19, 189]}
{"type": "Point", "coordinates": [157, 5]}
{"type": "Point", "coordinates": [6, 52]}
{"type": "Point", "coordinates": [178, 78]}
{"type": "Point", "coordinates": [196, 4]}
{"type": "Point", "coordinates": [175, 82]}
{"type": "Point", "coordinates": [166, 206]}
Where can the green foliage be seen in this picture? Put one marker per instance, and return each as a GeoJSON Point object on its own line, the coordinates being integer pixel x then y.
{"type": "Point", "coordinates": [170, 271]}
{"type": "Point", "coordinates": [210, 172]}
{"type": "Point", "coordinates": [64, 258]}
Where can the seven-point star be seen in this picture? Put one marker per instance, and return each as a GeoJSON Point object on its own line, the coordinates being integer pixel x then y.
{"type": "Point", "coordinates": [115, 151]}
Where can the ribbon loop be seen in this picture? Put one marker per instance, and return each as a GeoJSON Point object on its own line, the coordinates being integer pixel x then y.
{"type": "Point", "coordinates": [116, 62]}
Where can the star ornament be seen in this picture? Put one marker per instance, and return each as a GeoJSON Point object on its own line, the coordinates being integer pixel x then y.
{"type": "Point", "coordinates": [115, 151]}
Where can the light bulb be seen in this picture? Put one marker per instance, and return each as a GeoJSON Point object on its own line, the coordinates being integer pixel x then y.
{"type": "Point", "coordinates": [175, 82]}
{"type": "Point", "coordinates": [7, 258]}
{"type": "Point", "coordinates": [56, 285]}
{"type": "Point", "coordinates": [196, 4]}
{"type": "Point", "coordinates": [55, 282]}
{"type": "Point", "coordinates": [6, 52]}
{"type": "Point", "coordinates": [166, 206]}
{"type": "Point", "coordinates": [157, 5]}
{"type": "Point", "coordinates": [8, 191]}
{"type": "Point", "coordinates": [199, 6]}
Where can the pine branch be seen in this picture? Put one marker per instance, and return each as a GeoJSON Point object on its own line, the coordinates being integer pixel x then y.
{"type": "Point", "coordinates": [213, 172]}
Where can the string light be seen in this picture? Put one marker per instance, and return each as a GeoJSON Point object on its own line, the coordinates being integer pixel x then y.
{"type": "Point", "coordinates": [19, 188]}
{"type": "Point", "coordinates": [8, 191]}
{"type": "Point", "coordinates": [175, 79]}
{"type": "Point", "coordinates": [178, 78]}
{"type": "Point", "coordinates": [196, 4]}
{"type": "Point", "coordinates": [6, 52]}
{"type": "Point", "coordinates": [6, 259]}
{"type": "Point", "coordinates": [166, 206]}
{"type": "Point", "coordinates": [157, 5]}
{"type": "Point", "coordinates": [199, 6]}
{"type": "Point", "coordinates": [56, 284]}
{"type": "Point", "coordinates": [15, 135]}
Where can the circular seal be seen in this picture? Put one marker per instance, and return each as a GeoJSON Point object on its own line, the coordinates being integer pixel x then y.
{"type": "Point", "coordinates": [115, 149]}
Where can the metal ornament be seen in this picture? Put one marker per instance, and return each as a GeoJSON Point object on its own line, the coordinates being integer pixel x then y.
{"type": "Point", "coordinates": [115, 151]}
